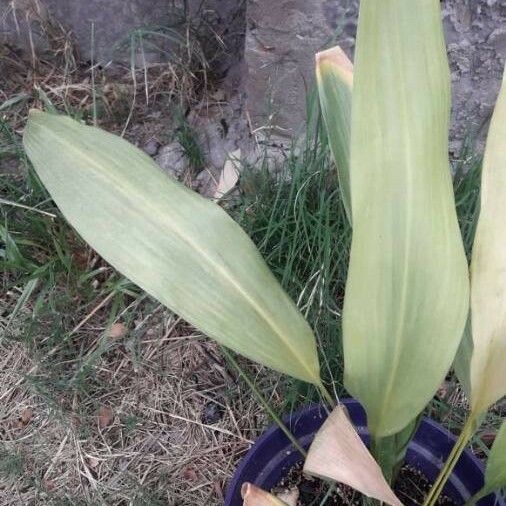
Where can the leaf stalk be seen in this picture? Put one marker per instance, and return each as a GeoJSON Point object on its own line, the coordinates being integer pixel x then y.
{"type": "Point", "coordinates": [467, 433]}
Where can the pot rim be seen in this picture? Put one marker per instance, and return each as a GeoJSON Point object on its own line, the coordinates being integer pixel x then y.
{"type": "Point", "coordinates": [427, 427]}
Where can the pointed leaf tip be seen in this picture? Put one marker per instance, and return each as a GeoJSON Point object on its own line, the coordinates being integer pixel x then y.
{"type": "Point", "coordinates": [407, 291]}
{"type": "Point", "coordinates": [338, 453]}
{"type": "Point", "coordinates": [182, 249]}
{"type": "Point", "coordinates": [338, 59]}
{"type": "Point", "coordinates": [334, 77]}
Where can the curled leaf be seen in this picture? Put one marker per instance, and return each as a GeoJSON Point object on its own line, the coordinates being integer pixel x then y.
{"type": "Point", "coordinates": [105, 416]}
{"type": "Point", "coordinates": [338, 453]}
{"type": "Point", "coordinates": [334, 77]}
{"type": "Point", "coordinates": [229, 175]}
{"type": "Point", "coordinates": [255, 496]}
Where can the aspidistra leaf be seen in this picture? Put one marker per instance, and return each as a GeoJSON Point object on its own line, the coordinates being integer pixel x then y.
{"type": "Point", "coordinates": [255, 496]}
{"type": "Point", "coordinates": [338, 453]}
{"type": "Point", "coordinates": [407, 292]}
{"type": "Point", "coordinates": [495, 472]}
{"type": "Point", "coordinates": [488, 271]}
{"type": "Point", "coordinates": [180, 248]}
{"type": "Point", "coordinates": [334, 77]}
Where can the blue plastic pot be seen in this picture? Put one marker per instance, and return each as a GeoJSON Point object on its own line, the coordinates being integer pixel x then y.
{"type": "Point", "coordinates": [272, 456]}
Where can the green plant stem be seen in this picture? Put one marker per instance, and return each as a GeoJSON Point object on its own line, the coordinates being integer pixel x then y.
{"type": "Point", "coordinates": [326, 395]}
{"type": "Point", "coordinates": [263, 401]}
{"type": "Point", "coordinates": [384, 451]}
{"type": "Point", "coordinates": [389, 451]}
{"type": "Point", "coordinates": [467, 432]}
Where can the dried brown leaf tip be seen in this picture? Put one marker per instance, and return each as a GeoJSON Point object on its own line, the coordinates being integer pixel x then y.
{"type": "Point", "coordinates": [49, 485]}
{"type": "Point", "coordinates": [27, 415]}
{"type": "Point", "coordinates": [105, 417]}
{"type": "Point", "coordinates": [117, 330]}
{"type": "Point", "coordinates": [92, 462]}
{"type": "Point", "coordinates": [189, 474]}
{"type": "Point", "coordinates": [255, 496]}
{"type": "Point", "coordinates": [25, 418]}
{"type": "Point", "coordinates": [338, 453]}
{"type": "Point", "coordinates": [337, 59]}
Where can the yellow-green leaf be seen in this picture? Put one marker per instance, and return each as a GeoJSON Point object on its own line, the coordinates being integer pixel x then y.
{"type": "Point", "coordinates": [338, 453]}
{"type": "Point", "coordinates": [180, 248]}
{"type": "Point", "coordinates": [462, 360]}
{"type": "Point", "coordinates": [334, 77]}
{"type": "Point", "coordinates": [495, 472]}
{"type": "Point", "coordinates": [407, 292]}
{"type": "Point", "coordinates": [488, 271]}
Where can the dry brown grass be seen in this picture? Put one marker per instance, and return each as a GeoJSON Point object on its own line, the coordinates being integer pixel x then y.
{"type": "Point", "coordinates": [135, 92]}
{"type": "Point", "coordinates": [138, 432]}
{"type": "Point", "coordinates": [151, 415]}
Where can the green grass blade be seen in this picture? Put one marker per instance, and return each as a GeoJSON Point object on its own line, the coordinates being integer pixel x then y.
{"type": "Point", "coordinates": [407, 292]}
{"type": "Point", "coordinates": [180, 248]}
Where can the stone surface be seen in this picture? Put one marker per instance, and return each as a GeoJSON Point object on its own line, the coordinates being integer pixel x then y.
{"type": "Point", "coordinates": [277, 70]}
{"type": "Point", "coordinates": [151, 147]}
{"type": "Point", "coordinates": [172, 160]}
{"type": "Point", "coordinates": [475, 37]}
{"type": "Point", "coordinates": [23, 22]}
{"type": "Point", "coordinates": [282, 38]}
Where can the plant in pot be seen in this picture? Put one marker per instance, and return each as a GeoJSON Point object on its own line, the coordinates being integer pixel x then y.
{"type": "Point", "coordinates": [407, 294]}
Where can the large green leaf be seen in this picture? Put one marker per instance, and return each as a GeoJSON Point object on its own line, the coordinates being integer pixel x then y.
{"type": "Point", "coordinates": [488, 271]}
{"type": "Point", "coordinates": [180, 248]}
{"type": "Point", "coordinates": [407, 292]}
{"type": "Point", "coordinates": [495, 473]}
{"type": "Point", "coordinates": [334, 76]}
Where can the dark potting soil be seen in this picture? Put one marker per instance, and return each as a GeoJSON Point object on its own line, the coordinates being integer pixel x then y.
{"type": "Point", "coordinates": [411, 488]}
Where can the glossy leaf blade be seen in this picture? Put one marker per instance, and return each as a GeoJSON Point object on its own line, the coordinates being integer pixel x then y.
{"type": "Point", "coordinates": [338, 453]}
{"type": "Point", "coordinates": [334, 77]}
{"type": "Point", "coordinates": [407, 294]}
{"type": "Point", "coordinates": [488, 271]}
{"type": "Point", "coordinates": [180, 248]}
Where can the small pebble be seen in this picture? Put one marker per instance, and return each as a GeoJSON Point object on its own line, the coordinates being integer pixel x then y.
{"type": "Point", "coordinates": [151, 147]}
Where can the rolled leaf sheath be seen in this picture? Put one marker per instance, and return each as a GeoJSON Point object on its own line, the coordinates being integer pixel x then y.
{"type": "Point", "coordinates": [334, 77]}
{"type": "Point", "coordinates": [180, 248]}
{"type": "Point", "coordinates": [407, 291]}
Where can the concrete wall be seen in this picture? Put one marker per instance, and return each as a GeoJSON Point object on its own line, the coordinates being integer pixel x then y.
{"type": "Point", "coordinates": [283, 36]}
{"type": "Point", "coordinates": [23, 22]}
{"type": "Point", "coordinates": [281, 39]}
